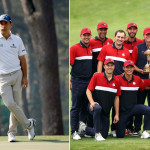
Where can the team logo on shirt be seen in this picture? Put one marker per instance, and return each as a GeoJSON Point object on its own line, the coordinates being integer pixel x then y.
{"type": "Point", "coordinates": [134, 83]}
{"type": "Point", "coordinates": [91, 51]}
{"type": "Point", "coordinates": [113, 84]}
{"type": "Point", "coordinates": [123, 54]}
{"type": "Point", "coordinates": [13, 46]}
{"type": "Point", "coordinates": [107, 43]}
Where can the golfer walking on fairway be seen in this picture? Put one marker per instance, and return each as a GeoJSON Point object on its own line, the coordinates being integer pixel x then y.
{"type": "Point", "coordinates": [13, 76]}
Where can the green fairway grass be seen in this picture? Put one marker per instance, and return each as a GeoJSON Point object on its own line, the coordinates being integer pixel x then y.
{"type": "Point", "coordinates": [127, 143]}
{"type": "Point", "coordinates": [117, 14]}
{"type": "Point", "coordinates": [39, 143]}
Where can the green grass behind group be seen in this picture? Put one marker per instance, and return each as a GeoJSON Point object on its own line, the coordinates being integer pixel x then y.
{"type": "Point", "coordinates": [117, 14]}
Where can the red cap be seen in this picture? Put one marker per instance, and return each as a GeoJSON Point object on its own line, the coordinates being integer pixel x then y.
{"type": "Point", "coordinates": [131, 25]}
{"type": "Point", "coordinates": [85, 30]}
{"type": "Point", "coordinates": [108, 60]}
{"type": "Point", "coordinates": [146, 30]}
{"type": "Point", "coordinates": [128, 62]}
{"type": "Point", "coordinates": [102, 25]}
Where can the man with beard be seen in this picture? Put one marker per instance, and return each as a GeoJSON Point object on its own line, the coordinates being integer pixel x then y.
{"type": "Point", "coordinates": [98, 42]}
{"type": "Point", "coordinates": [140, 59]}
{"type": "Point", "coordinates": [130, 43]}
{"type": "Point", "coordinates": [131, 40]}
{"type": "Point", "coordinates": [81, 73]}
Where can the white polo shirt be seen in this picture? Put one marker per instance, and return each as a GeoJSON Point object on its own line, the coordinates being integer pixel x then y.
{"type": "Point", "coordinates": [10, 50]}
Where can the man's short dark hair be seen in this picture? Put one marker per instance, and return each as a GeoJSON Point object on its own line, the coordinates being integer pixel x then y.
{"type": "Point", "coordinates": [122, 31]}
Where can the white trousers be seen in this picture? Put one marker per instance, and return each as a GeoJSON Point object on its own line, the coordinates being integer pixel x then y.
{"type": "Point", "coordinates": [11, 92]}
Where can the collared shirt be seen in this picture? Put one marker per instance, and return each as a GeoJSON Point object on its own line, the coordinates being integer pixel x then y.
{"type": "Point", "coordinates": [130, 45]}
{"type": "Point", "coordinates": [97, 45]}
{"type": "Point", "coordinates": [81, 60]}
{"type": "Point", "coordinates": [104, 91]}
{"type": "Point", "coordinates": [118, 55]}
{"type": "Point", "coordinates": [10, 50]}
{"type": "Point", "coordinates": [129, 91]}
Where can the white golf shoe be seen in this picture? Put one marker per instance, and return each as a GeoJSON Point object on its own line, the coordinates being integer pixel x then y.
{"type": "Point", "coordinates": [81, 130]}
{"type": "Point", "coordinates": [113, 133]}
{"type": "Point", "coordinates": [30, 129]}
{"type": "Point", "coordinates": [76, 136]}
{"type": "Point", "coordinates": [98, 137]}
{"type": "Point", "coordinates": [145, 135]}
{"type": "Point", "coordinates": [11, 137]}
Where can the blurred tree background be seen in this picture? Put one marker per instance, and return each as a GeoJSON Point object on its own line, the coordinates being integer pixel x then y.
{"type": "Point", "coordinates": [32, 100]}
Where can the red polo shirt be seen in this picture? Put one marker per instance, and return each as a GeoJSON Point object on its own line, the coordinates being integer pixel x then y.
{"type": "Point", "coordinates": [129, 90]}
{"type": "Point", "coordinates": [104, 91]}
{"type": "Point", "coordinates": [97, 45]}
{"type": "Point", "coordinates": [118, 55]}
{"type": "Point", "coordinates": [131, 45]}
{"type": "Point", "coordinates": [81, 60]}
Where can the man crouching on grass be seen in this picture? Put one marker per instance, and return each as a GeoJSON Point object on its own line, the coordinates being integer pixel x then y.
{"type": "Point", "coordinates": [130, 84]}
{"type": "Point", "coordinates": [103, 92]}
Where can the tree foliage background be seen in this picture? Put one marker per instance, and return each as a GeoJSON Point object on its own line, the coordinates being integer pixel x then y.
{"type": "Point", "coordinates": [31, 101]}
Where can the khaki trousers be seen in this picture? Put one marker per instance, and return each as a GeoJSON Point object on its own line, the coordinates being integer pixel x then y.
{"type": "Point", "coordinates": [11, 92]}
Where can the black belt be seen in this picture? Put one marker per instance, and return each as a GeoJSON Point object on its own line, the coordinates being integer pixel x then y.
{"type": "Point", "coordinates": [82, 78]}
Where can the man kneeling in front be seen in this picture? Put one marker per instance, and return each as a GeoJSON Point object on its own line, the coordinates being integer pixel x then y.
{"type": "Point", "coordinates": [130, 84]}
{"type": "Point", "coordinates": [103, 92]}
